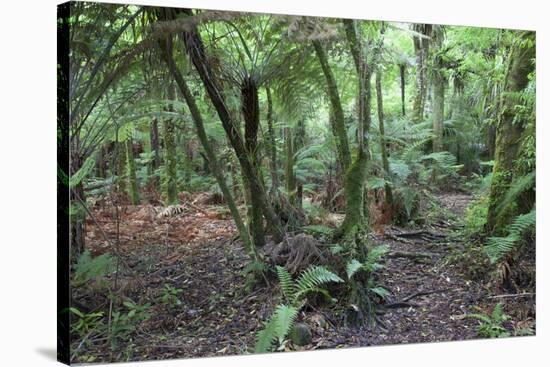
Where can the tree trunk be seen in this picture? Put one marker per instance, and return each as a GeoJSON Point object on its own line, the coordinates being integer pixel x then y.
{"type": "Point", "coordinates": [508, 137]}
{"type": "Point", "coordinates": [170, 156]}
{"type": "Point", "coordinates": [272, 146]}
{"type": "Point", "coordinates": [384, 153]}
{"type": "Point", "coordinates": [214, 164]}
{"type": "Point", "coordinates": [421, 49]}
{"type": "Point", "coordinates": [155, 146]}
{"type": "Point", "coordinates": [290, 179]}
{"type": "Point", "coordinates": [122, 174]}
{"type": "Point", "coordinates": [132, 180]}
{"type": "Point", "coordinates": [299, 143]}
{"type": "Point", "coordinates": [77, 238]}
{"type": "Point", "coordinates": [438, 110]}
{"type": "Point", "coordinates": [195, 48]}
{"type": "Point", "coordinates": [402, 77]}
{"type": "Point", "coordinates": [339, 126]}
{"type": "Point", "coordinates": [250, 108]}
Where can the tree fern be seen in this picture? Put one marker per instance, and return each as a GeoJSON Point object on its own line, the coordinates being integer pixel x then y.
{"type": "Point", "coordinates": [498, 247]}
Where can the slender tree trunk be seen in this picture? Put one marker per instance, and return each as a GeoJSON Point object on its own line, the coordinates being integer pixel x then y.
{"type": "Point", "coordinates": [299, 143]}
{"type": "Point", "coordinates": [251, 112]}
{"type": "Point", "coordinates": [421, 48]}
{"type": "Point", "coordinates": [155, 146]}
{"type": "Point", "coordinates": [337, 111]}
{"type": "Point", "coordinates": [438, 110]}
{"type": "Point", "coordinates": [290, 179]}
{"type": "Point", "coordinates": [170, 155]}
{"type": "Point", "coordinates": [77, 237]}
{"type": "Point", "coordinates": [131, 164]}
{"type": "Point", "coordinates": [402, 78]}
{"type": "Point", "coordinates": [384, 153]}
{"type": "Point", "coordinates": [272, 146]}
{"type": "Point", "coordinates": [508, 137]}
{"type": "Point", "coordinates": [195, 48]}
{"type": "Point", "coordinates": [122, 184]}
{"type": "Point", "coordinates": [214, 164]}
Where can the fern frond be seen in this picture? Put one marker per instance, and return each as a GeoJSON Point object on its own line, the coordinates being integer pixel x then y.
{"type": "Point", "coordinates": [276, 328]}
{"type": "Point", "coordinates": [519, 185]}
{"type": "Point", "coordinates": [498, 247]}
{"type": "Point", "coordinates": [313, 277]}
{"type": "Point", "coordinates": [353, 267]}
{"type": "Point", "coordinates": [285, 280]}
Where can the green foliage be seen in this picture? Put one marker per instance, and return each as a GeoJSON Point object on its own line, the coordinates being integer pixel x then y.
{"type": "Point", "coordinates": [491, 326]}
{"type": "Point", "coordinates": [86, 322]}
{"type": "Point", "coordinates": [294, 292]}
{"type": "Point", "coordinates": [498, 247]}
{"type": "Point", "coordinates": [517, 187]}
{"type": "Point", "coordinates": [276, 329]}
{"type": "Point", "coordinates": [90, 268]}
{"type": "Point", "coordinates": [79, 175]}
{"type": "Point", "coordinates": [123, 324]}
{"type": "Point", "coordinates": [318, 229]}
{"type": "Point", "coordinates": [371, 264]}
{"type": "Point", "coordinates": [170, 295]}
{"type": "Point", "coordinates": [476, 216]}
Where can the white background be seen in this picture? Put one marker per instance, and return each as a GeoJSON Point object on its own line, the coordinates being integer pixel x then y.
{"type": "Point", "coordinates": [28, 182]}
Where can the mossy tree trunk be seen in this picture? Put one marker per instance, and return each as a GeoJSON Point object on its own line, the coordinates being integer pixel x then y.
{"type": "Point", "coordinates": [439, 86]}
{"type": "Point", "coordinates": [170, 156]}
{"type": "Point", "coordinates": [383, 152]}
{"type": "Point", "coordinates": [339, 126]}
{"type": "Point", "coordinates": [438, 110]}
{"type": "Point", "coordinates": [421, 49]}
{"type": "Point", "coordinates": [509, 132]}
{"type": "Point", "coordinates": [213, 161]}
{"type": "Point", "coordinates": [131, 165]}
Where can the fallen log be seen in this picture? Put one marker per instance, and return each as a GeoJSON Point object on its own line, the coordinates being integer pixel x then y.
{"type": "Point", "coordinates": [410, 255]}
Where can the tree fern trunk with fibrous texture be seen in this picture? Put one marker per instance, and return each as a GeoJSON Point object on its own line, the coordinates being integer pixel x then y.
{"type": "Point", "coordinates": [132, 180]}
{"type": "Point", "coordinates": [508, 138]}
{"type": "Point", "coordinates": [250, 108]}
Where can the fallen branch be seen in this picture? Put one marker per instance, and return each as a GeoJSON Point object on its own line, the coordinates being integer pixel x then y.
{"type": "Point", "coordinates": [410, 255]}
{"type": "Point", "coordinates": [514, 295]}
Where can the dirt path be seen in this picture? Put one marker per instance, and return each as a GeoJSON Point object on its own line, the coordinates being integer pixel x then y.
{"type": "Point", "coordinates": [217, 317]}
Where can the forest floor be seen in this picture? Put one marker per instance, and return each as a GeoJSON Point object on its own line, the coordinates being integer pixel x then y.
{"type": "Point", "coordinates": [196, 251]}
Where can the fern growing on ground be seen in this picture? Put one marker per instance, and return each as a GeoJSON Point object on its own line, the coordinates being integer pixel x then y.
{"type": "Point", "coordinates": [294, 291]}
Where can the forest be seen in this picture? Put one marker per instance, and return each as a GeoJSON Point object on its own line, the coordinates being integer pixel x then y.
{"type": "Point", "coordinates": [249, 183]}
